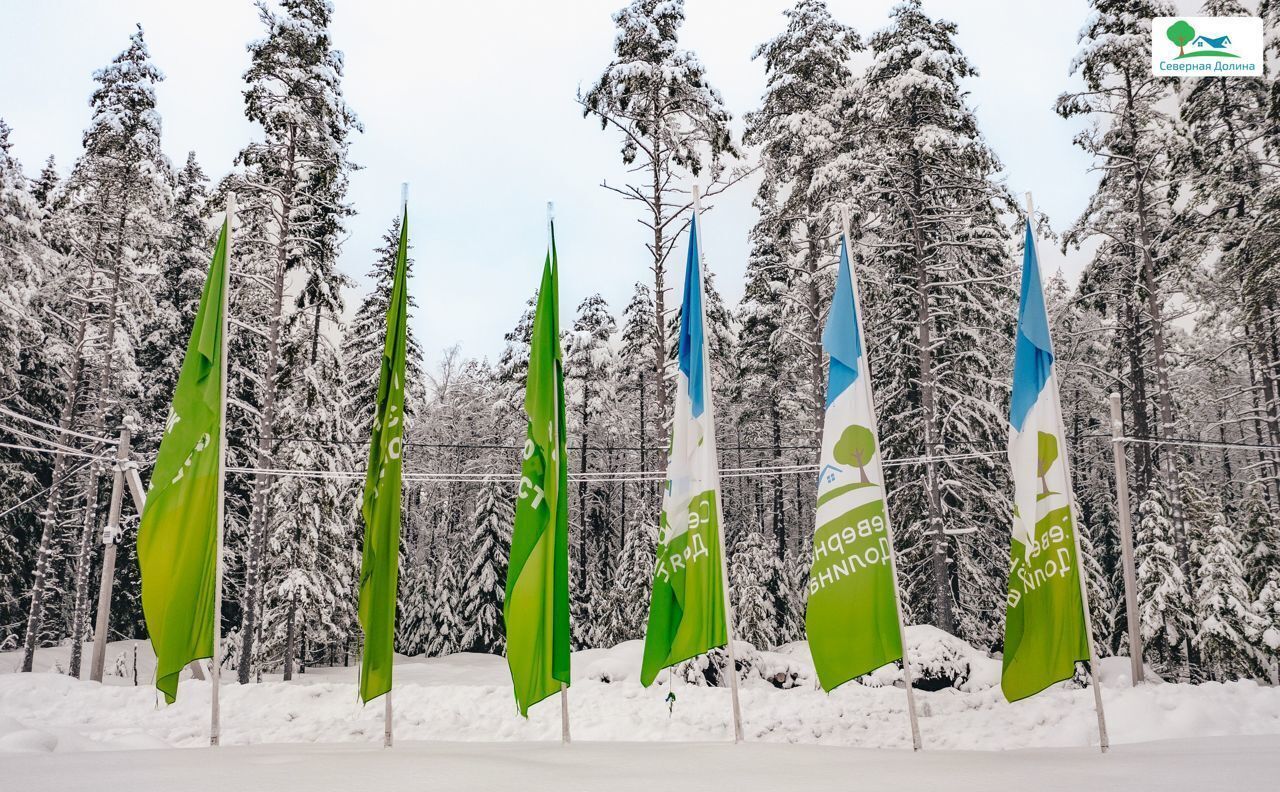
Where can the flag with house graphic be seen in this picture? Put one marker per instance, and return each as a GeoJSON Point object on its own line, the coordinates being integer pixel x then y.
{"type": "Point", "coordinates": [851, 617]}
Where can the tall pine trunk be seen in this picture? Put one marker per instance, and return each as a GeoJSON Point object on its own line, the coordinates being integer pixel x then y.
{"type": "Point", "coordinates": [80, 608]}
{"type": "Point", "coordinates": [939, 566]}
{"type": "Point", "coordinates": [49, 517]}
{"type": "Point", "coordinates": [252, 594]}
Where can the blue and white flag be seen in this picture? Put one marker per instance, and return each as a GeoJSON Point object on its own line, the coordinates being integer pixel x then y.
{"type": "Point", "coordinates": [687, 613]}
{"type": "Point", "coordinates": [851, 618]}
{"type": "Point", "coordinates": [1045, 632]}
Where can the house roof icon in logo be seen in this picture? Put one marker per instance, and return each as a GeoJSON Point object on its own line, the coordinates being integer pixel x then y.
{"type": "Point", "coordinates": [1216, 43]}
{"type": "Point", "coordinates": [829, 474]}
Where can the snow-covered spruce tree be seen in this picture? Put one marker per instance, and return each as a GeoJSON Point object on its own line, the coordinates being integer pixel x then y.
{"type": "Point", "coordinates": [117, 199]}
{"type": "Point", "coordinates": [637, 382]}
{"type": "Point", "coordinates": [629, 595]}
{"type": "Point", "coordinates": [1229, 629]}
{"type": "Point", "coordinates": [46, 186]}
{"type": "Point", "coordinates": [31, 352]}
{"type": "Point", "coordinates": [768, 407]}
{"type": "Point", "coordinates": [939, 286]}
{"type": "Point", "coordinates": [446, 622]}
{"type": "Point", "coordinates": [1079, 344]}
{"type": "Point", "coordinates": [415, 606]}
{"type": "Point", "coordinates": [512, 374]}
{"type": "Point", "coordinates": [589, 368]}
{"type": "Point", "coordinates": [753, 569]}
{"type": "Point", "coordinates": [310, 564]}
{"type": "Point", "coordinates": [806, 66]}
{"type": "Point", "coordinates": [184, 266]}
{"type": "Point", "coordinates": [1267, 608]}
{"type": "Point", "coordinates": [1163, 603]}
{"type": "Point", "coordinates": [1259, 538]}
{"type": "Point", "coordinates": [363, 340]}
{"type": "Point", "coordinates": [291, 189]}
{"type": "Point", "coordinates": [673, 125]}
{"type": "Point", "coordinates": [1132, 143]}
{"type": "Point", "coordinates": [486, 577]}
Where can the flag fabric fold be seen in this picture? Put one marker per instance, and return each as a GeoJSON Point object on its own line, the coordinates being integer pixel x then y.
{"type": "Point", "coordinates": [536, 604]}
{"type": "Point", "coordinates": [178, 534]}
{"type": "Point", "coordinates": [380, 507]}
{"type": "Point", "coordinates": [851, 618]}
{"type": "Point", "coordinates": [1045, 628]}
{"type": "Point", "coordinates": [687, 613]}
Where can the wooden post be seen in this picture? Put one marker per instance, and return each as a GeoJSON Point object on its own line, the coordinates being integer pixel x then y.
{"type": "Point", "coordinates": [109, 539]}
{"type": "Point", "coordinates": [1124, 516]}
{"type": "Point", "coordinates": [724, 550]}
{"type": "Point", "coordinates": [888, 523]}
{"type": "Point", "coordinates": [215, 669]}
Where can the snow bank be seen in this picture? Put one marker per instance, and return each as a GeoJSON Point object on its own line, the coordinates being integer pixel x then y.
{"type": "Point", "coordinates": [467, 697]}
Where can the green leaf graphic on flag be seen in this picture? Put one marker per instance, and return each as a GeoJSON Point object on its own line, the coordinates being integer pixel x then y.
{"type": "Point", "coordinates": [536, 606]}
{"type": "Point", "coordinates": [379, 566]}
{"type": "Point", "coordinates": [178, 535]}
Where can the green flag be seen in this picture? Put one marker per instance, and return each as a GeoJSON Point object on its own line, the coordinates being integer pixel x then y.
{"type": "Point", "coordinates": [379, 566]}
{"type": "Point", "coordinates": [687, 614]}
{"type": "Point", "coordinates": [178, 535]}
{"type": "Point", "coordinates": [536, 607]}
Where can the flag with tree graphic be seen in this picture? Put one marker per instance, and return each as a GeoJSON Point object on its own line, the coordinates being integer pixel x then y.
{"type": "Point", "coordinates": [851, 617]}
{"type": "Point", "coordinates": [1045, 628]}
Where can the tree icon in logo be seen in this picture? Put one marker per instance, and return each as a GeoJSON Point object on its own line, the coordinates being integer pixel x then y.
{"type": "Point", "coordinates": [1181, 34]}
{"type": "Point", "coordinates": [1046, 455]}
{"type": "Point", "coordinates": [855, 447]}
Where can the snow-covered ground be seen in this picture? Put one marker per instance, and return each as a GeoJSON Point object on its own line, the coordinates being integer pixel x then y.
{"type": "Point", "coordinates": [61, 733]}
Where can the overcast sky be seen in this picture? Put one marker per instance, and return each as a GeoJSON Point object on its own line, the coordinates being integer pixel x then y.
{"type": "Point", "coordinates": [473, 104]}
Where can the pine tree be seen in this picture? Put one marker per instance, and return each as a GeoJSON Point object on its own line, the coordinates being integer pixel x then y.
{"type": "Point", "coordinates": [363, 341]}
{"type": "Point", "coordinates": [1133, 144]}
{"type": "Point", "coordinates": [414, 617]}
{"type": "Point", "coordinates": [753, 566]}
{"type": "Point", "coordinates": [292, 188]}
{"type": "Point", "coordinates": [31, 352]}
{"type": "Point", "coordinates": [629, 596]}
{"type": "Point", "coordinates": [673, 126]}
{"type": "Point", "coordinates": [1267, 608]}
{"type": "Point", "coordinates": [590, 371]}
{"type": "Point", "coordinates": [1228, 627]}
{"type": "Point", "coordinates": [1164, 608]}
{"type": "Point", "coordinates": [806, 67]}
{"type": "Point", "coordinates": [184, 266]}
{"type": "Point", "coordinates": [486, 577]}
{"type": "Point", "coordinates": [446, 623]}
{"type": "Point", "coordinates": [116, 198]}
{"type": "Point", "coordinates": [513, 373]}
{"type": "Point", "coordinates": [938, 300]}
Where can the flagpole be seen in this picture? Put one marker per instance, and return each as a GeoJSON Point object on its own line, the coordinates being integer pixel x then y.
{"type": "Point", "coordinates": [1104, 742]}
{"type": "Point", "coordinates": [388, 712]}
{"type": "Point", "coordinates": [907, 677]}
{"type": "Point", "coordinates": [724, 550]}
{"type": "Point", "coordinates": [215, 671]}
{"type": "Point", "coordinates": [564, 689]}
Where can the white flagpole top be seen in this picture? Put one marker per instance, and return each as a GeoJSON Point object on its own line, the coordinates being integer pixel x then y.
{"type": "Point", "coordinates": [1031, 208]}
{"type": "Point", "coordinates": [404, 196]}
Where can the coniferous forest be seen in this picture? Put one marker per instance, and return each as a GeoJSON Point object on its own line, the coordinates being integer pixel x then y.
{"type": "Point", "coordinates": [102, 261]}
